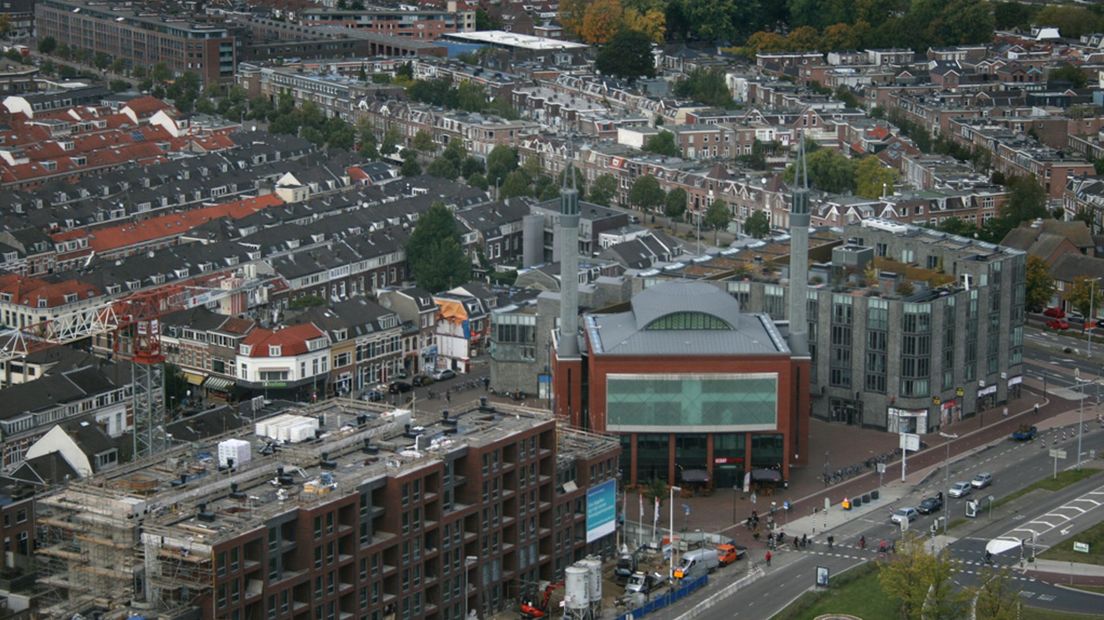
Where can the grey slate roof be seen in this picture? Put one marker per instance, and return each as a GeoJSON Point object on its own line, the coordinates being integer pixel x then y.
{"type": "Point", "coordinates": [623, 333]}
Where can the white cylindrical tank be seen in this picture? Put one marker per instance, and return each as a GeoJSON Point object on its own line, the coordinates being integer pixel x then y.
{"type": "Point", "coordinates": [576, 588]}
{"type": "Point", "coordinates": [594, 578]}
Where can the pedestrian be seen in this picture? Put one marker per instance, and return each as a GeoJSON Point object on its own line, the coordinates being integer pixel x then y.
{"type": "Point", "coordinates": [448, 396]}
{"type": "Point", "coordinates": [797, 542]}
{"type": "Point", "coordinates": [831, 540]}
{"type": "Point", "coordinates": [1037, 409]}
{"type": "Point", "coordinates": [804, 540]}
{"type": "Point", "coordinates": [862, 542]}
{"type": "Point", "coordinates": [768, 558]}
{"type": "Point", "coordinates": [1005, 412]}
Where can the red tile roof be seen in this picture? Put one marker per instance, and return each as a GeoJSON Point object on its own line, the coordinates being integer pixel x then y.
{"type": "Point", "coordinates": [110, 238]}
{"type": "Point", "coordinates": [146, 106]}
{"type": "Point", "coordinates": [292, 340]}
{"type": "Point", "coordinates": [27, 291]}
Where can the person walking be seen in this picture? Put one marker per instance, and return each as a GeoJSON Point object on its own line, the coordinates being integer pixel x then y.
{"type": "Point", "coordinates": [797, 543]}
{"type": "Point", "coordinates": [768, 557]}
{"type": "Point", "coordinates": [804, 540]}
{"type": "Point", "coordinates": [831, 540]}
{"type": "Point", "coordinates": [862, 542]}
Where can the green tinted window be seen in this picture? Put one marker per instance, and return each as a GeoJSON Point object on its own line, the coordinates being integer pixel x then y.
{"type": "Point", "coordinates": [691, 402]}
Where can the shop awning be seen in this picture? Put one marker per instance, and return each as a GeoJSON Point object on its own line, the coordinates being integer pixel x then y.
{"type": "Point", "coordinates": [218, 384]}
{"type": "Point", "coordinates": [193, 378]}
{"type": "Point", "coordinates": [695, 475]}
{"type": "Point", "coordinates": [766, 475]}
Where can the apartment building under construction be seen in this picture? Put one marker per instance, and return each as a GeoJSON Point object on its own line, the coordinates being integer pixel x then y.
{"type": "Point", "coordinates": [375, 514]}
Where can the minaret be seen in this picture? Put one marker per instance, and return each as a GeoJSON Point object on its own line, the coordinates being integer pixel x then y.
{"type": "Point", "coordinates": [569, 267]}
{"type": "Point", "coordinates": [799, 255]}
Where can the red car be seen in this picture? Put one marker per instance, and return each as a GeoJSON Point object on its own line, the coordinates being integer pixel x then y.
{"type": "Point", "coordinates": [1055, 313]}
{"type": "Point", "coordinates": [1058, 324]}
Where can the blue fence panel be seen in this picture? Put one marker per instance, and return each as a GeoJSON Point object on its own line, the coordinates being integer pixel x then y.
{"type": "Point", "coordinates": [673, 595]}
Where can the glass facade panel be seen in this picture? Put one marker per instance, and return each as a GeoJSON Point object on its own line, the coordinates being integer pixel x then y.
{"type": "Point", "coordinates": [685, 403]}
{"type": "Point", "coordinates": [652, 454]}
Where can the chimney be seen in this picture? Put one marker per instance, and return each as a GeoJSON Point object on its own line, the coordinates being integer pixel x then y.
{"type": "Point", "coordinates": [569, 267]}
{"type": "Point", "coordinates": [799, 255]}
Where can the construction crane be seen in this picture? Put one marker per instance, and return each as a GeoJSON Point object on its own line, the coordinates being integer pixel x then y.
{"type": "Point", "coordinates": [133, 324]}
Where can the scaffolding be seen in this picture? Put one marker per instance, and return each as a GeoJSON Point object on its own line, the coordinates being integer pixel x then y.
{"type": "Point", "coordinates": [179, 570]}
{"type": "Point", "coordinates": [87, 540]}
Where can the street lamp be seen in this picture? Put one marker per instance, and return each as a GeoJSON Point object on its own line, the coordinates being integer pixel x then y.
{"type": "Point", "coordinates": [468, 561]}
{"type": "Point", "coordinates": [1089, 322]}
{"type": "Point", "coordinates": [947, 467]}
{"type": "Point", "coordinates": [671, 525]}
{"type": "Point", "coordinates": [1080, 412]}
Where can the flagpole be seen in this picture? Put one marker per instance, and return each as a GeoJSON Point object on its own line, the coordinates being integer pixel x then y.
{"type": "Point", "coordinates": [640, 529]}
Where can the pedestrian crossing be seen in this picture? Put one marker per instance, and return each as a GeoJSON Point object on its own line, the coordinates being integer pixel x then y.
{"type": "Point", "coordinates": [960, 566]}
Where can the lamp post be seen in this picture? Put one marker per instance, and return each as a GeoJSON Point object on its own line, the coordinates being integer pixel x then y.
{"type": "Point", "coordinates": [671, 525]}
{"type": "Point", "coordinates": [468, 560]}
{"type": "Point", "coordinates": [1089, 322]}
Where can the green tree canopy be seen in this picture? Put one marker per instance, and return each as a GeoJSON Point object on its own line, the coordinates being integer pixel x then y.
{"type": "Point", "coordinates": [444, 168]}
{"type": "Point", "coordinates": [920, 582]}
{"type": "Point", "coordinates": [603, 190]}
{"type": "Point", "coordinates": [706, 86]}
{"type": "Point", "coordinates": [471, 165]}
{"type": "Point", "coordinates": [675, 204]}
{"type": "Point", "coordinates": [47, 45]}
{"type": "Point", "coordinates": [1038, 285]}
{"type": "Point", "coordinates": [501, 161]}
{"type": "Point", "coordinates": [515, 184]}
{"type": "Point", "coordinates": [717, 217]}
{"type": "Point", "coordinates": [1068, 73]}
{"type": "Point", "coordinates": [435, 252]}
{"type": "Point", "coordinates": [663, 143]}
{"type": "Point", "coordinates": [828, 171]}
{"type": "Point", "coordinates": [646, 193]}
{"type": "Point", "coordinates": [872, 178]}
{"type": "Point", "coordinates": [757, 224]}
{"type": "Point", "coordinates": [423, 142]}
{"type": "Point", "coordinates": [628, 55]}
{"type": "Point", "coordinates": [1085, 295]}
{"type": "Point", "coordinates": [410, 166]}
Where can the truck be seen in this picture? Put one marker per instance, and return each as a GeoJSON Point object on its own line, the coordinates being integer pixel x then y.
{"type": "Point", "coordinates": [697, 563]}
{"type": "Point", "coordinates": [729, 553]}
{"type": "Point", "coordinates": [642, 583]}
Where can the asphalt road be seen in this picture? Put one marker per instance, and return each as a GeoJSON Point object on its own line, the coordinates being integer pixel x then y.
{"type": "Point", "coordinates": [1013, 466]}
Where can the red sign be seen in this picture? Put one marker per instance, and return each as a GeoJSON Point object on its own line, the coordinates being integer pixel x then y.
{"type": "Point", "coordinates": [728, 460]}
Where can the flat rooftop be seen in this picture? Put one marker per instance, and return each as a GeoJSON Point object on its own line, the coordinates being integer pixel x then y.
{"type": "Point", "coordinates": [502, 38]}
{"type": "Point", "coordinates": [357, 442]}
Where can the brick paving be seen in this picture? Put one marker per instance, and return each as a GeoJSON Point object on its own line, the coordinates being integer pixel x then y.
{"type": "Point", "coordinates": [841, 445]}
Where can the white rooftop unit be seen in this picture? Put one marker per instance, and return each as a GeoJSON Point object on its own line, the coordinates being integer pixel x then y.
{"type": "Point", "coordinates": [288, 428]}
{"type": "Point", "coordinates": [237, 450]}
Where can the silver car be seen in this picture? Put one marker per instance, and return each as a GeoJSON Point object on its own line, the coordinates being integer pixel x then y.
{"type": "Point", "coordinates": [982, 480]}
{"type": "Point", "coordinates": [960, 489]}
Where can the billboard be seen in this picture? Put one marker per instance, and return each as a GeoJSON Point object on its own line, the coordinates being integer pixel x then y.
{"type": "Point", "coordinates": [601, 510]}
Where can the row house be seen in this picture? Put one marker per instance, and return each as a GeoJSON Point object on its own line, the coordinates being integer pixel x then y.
{"type": "Point", "coordinates": [930, 208]}
{"type": "Point", "coordinates": [1084, 194]}
{"type": "Point", "coordinates": [935, 114]}
{"type": "Point", "coordinates": [553, 109]}
{"type": "Point", "coordinates": [336, 96]}
{"type": "Point", "coordinates": [417, 310]}
{"type": "Point", "coordinates": [551, 151]}
{"type": "Point", "coordinates": [499, 229]}
{"type": "Point", "coordinates": [365, 349]}
{"type": "Point", "coordinates": [1050, 167]}
{"type": "Point", "coordinates": [784, 95]}
{"type": "Point", "coordinates": [340, 269]}
{"type": "Point", "coordinates": [204, 345]}
{"type": "Point", "coordinates": [418, 24]}
{"type": "Point", "coordinates": [790, 64]}
{"type": "Point", "coordinates": [940, 171]}
{"type": "Point", "coordinates": [98, 393]}
{"type": "Point", "coordinates": [292, 361]}
{"type": "Point", "coordinates": [703, 141]}
{"type": "Point", "coordinates": [463, 329]}
{"type": "Point", "coordinates": [497, 83]}
{"type": "Point", "coordinates": [477, 132]}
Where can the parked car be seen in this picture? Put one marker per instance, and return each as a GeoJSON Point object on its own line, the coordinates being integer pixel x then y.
{"type": "Point", "coordinates": [400, 387]}
{"type": "Point", "coordinates": [1055, 313]}
{"type": "Point", "coordinates": [907, 513]}
{"type": "Point", "coordinates": [626, 567]}
{"type": "Point", "coordinates": [960, 489]}
{"type": "Point", "coordinates": [982, 480]}
{"type": "Point", "coordinates": [729, 553]}
{"type": "Point", "coordinates": [643, 583]}
{"type": "Point", "coordinates": [444, 375]}
{"type": "Point", "coordinates": [372, 396]}
{"type": "Point", "coordinates": [1024, 433]}
{"type": "Point", "coordinates": [1058, 324]}
{"type": "Point", "coordinates": [422, 380]}
{"type": "Point", "coordinates": [930, 505]}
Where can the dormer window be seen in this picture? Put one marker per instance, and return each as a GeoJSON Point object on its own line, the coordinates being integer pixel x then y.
{"type": "Point", "coordinates": [275, 350]}
{"type": "Point", "coordinates": [70, 298]}
{"type": "Point", "coordinates": [41, 302]}
{"type": "Point", "coordinates": [180, 273]}
{"type": "Point", "coordinates": [133, 284]}
{"type": "Point", "coordinates": [245, 349]}
{"type": "Point", "coordinates": [113, 289]}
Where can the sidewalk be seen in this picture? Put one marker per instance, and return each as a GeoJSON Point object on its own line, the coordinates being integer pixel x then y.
{"type": "Point", "coordinates": [1067, 573]}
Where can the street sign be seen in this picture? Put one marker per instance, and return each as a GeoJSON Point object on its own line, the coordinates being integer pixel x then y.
{"type": "Point", "coordinates": [960, 392]}
{"type": "Point", "coordinates": [822, 576]}
{"type": "Point", "coordinates": [881, 468]}
{"type": "Point", "coordinates": [971, 508]}
{"type": "Point", "coordinates": [1057, 454]}
{"type": "Point", "coordinates": [910, 441]}
{"type": "Point", "coordinates": [1081, 547]}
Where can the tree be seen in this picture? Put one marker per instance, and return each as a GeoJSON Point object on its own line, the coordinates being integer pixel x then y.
{"type": "Point", "coordinates": [601, 21]}
{"type": "Point", "coordinates": [477, 180]}
{"type": "Point", "coordinates": [306, 301]}
{"type": "Point", "coordinates": [1085, 295]}
{"type": "Point", "coordinates": [1038, 285]}
{"type": "Point", "coordinates": [828, 171]}
{"type": "Point", "coordinates": [160, 72]}
{"type": "Point", "coordinates": [204, 105]}
{"type": "Point", "coordinates": [390, 142]}
{"type": "Point", "coordinates": [571, 16]}
{"type": "Point", "coordinates": [603, 190]}
{"type": "Point", "coordinates": [908, 576]}
{"type": "Point", "coordinates": [410, 166]}
{"type": "Point", "coordinates": [707, 86]}
{"type": "Point", "coordinates": [5, 24]}
{"type": "Point", "coordinates": [515, 184]}
{"type": "Point", "coordinates": [627, 55]}
{"type": "Point", "coordinates": [485, 21]}
{"type": "Point", "coordinates": [651, 21]}
{"type": "Point", "coordinates": [872, 178]}
{"type": "Point", "coordinates": [995, 599]}
{"type": "Point", "coordinates": [118, 86]}
{"type": "Point", "coordinates": [1068, 73]}
{"type": "Point", "coordinates": [662, 143]}
{"type": "Point", "coordinates": [471, 166]}
{"type": "Point", "coordinates": [423, 142]}
{"type": "Point", "coordinates": [717, 217]}
{"type": "Point", "coordinates": [176, 386]}
{"type": "Point", "coordinates": [757, 224]}
{"type": "Point", "coordinates": [957, 226]}
{"type": "Point", "coordinates": [803, 38]}
{"type": "Point", "coordinates": [675, 204]}
{"type": "Point", "coordinates": [47, 45]}
{"type": "Point", "coordinates": [435, 252]}
{"type": "Point", "coordinates": [1026, 202]}
{"type": "Point", "coordinates": [501, 161]}
{"type": "Point", "coordinates": [444, 168]}
{"type": "Point", "coordinates": [841, 36]}
{"type": "Point", "coordinates": [101, 61]}
{"type": "Point", "coordinates": [646, 194]}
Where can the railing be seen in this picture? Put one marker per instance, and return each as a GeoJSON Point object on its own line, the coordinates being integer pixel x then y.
{"type": "Point", "coordinates": [669, 598]}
